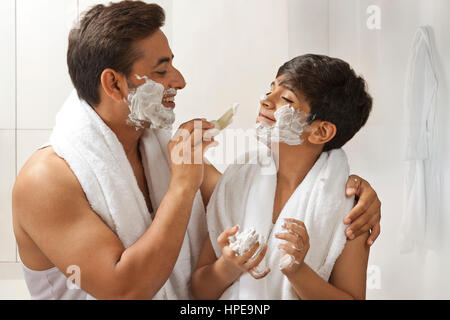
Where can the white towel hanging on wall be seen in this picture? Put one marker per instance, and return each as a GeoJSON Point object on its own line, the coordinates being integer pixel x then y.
{"type": "Point", "coordinates": [419, 226]}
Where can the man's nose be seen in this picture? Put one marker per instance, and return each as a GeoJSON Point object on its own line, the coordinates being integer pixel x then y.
{"type": "Point", "coordinates": [177, 80]}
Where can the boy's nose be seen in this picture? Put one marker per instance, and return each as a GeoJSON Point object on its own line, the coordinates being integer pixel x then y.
{"type": "Point", "coordinates": [267, 104]}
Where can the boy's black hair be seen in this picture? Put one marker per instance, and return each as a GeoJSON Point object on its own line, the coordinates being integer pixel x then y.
{"type": "Point", "coordinates": [334, 92]}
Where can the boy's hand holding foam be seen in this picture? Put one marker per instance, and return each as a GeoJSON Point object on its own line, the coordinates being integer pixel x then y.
{"type": "Point", "coordinates": [295, 247]}
{"type": "Point", "coordinates": [237, 262]}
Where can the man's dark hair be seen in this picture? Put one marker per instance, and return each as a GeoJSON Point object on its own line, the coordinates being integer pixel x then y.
{"type": "Point", "coordinates": [104, 39]}
{"type": "Point", "coordinates": [334, 92]}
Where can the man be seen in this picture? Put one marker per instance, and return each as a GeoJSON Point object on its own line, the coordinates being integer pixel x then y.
{"type": "Point", "coordinates": [56, 223]}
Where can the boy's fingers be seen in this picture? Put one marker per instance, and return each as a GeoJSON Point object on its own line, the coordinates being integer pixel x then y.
{"type": "Point", "coordinates": [258, 276]}
{"type": "Point", "coordinates": [374, 234]}
{"type": "Point", "coordinates": [297, 241]}
{"type": "Point", "coordinates": [249, 254]}
{"type": "Point", "coordinates": [295, 221]}
{"type": "Point", "coordinates": [223, 237]}
{"type": "Point", "coordinates": [289, 249]}
{"type": "Point", "coordinates": [365, 227]}
{"type": "Point", "coordinates": [353, 185]}
{"type": "Point", "coordinates": [297, 229]}
{"type": "Point", "coordinates": [228, 252]}
{"type": "Point", "coordinates": [253, 263]}
{"type": "Point", "coordinates": [358, 210]}
{"type": "Point", "coordinates": [367, 198]}
{"type": "Point", "coordinates": [371, 217]}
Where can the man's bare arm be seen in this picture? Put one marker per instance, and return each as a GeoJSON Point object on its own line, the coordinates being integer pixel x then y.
{"type": "Point", "coordinates": [52, 209]}
{"type": "Point", "coordinates": [212, 176]}
{"type": "Point", "coordinates": [50, 206]}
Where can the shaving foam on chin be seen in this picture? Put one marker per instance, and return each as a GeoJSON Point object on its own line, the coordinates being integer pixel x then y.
{"type": "Point", "coordinates": [145, 103]}
{"type": "Point", "coordinates": [290, 125]}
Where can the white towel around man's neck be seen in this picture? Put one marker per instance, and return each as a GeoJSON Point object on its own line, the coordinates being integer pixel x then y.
{"type": "Point", "coordinates": [100, 164]}
{"type": "Point", "coordinates": [245, 196]}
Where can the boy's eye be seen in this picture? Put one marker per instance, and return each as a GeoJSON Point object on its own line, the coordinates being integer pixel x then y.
{"type": "Point", "coordinates": [161, 73]}
{"type": "Point", "coordinates": [287, 100]}
{"type": "Point", "coordinates": [268, 93]}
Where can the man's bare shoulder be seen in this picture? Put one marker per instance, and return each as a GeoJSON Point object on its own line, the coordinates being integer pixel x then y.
{"type": "Point", "coordinates": [44, 181]}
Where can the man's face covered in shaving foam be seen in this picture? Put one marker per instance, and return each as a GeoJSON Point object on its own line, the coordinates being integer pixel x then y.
{"type": "Point", "coordinates": [283, 115]}
{"type": "Point", "coordinates": [153, 84]}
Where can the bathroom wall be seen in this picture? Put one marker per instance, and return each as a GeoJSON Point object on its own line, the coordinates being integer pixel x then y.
{"type": "Point", "coordinates": [228, 51]}
{"type": "Point", "coordinates": [377, 153]}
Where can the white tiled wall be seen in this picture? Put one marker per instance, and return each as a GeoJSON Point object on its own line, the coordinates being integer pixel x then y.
{"type": "Point", "coordinates": [7, 172]}
{"type": "Point", "coordinates": [7, 129]}
{"type": "Point", "coordinates": [43, 82]}
{"type": "Point", "coordinates": [7, 65]}
{"type": "Point", "coordinates": [27, 143]}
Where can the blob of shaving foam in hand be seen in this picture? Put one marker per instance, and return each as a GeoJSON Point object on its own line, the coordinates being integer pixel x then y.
{"type": "Point", "coordinates": [242, 242]}
{"type": "Point", "coordinates": [290, 125]}
{"type": "Point", "coordinates": [145, 103]}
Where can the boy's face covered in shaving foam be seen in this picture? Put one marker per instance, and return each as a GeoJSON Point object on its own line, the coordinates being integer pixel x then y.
{"type": "Point", "coordinates": [146, 105]}
{"type": "Point", "coordinates": [283, 116]}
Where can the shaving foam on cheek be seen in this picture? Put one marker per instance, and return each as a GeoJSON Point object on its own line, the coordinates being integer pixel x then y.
{"type": "Point", "coordinates": [290, 125]}
{"type": "Point", "coordinates": [145, 104]}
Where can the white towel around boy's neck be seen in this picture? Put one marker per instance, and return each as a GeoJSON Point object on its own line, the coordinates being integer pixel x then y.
{"type": "Point", "coordinates": [100, 164]}
{"type": "Point", "coordinates": [245, 196]}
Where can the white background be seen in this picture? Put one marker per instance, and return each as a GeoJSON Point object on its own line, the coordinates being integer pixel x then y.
{"type": "Point", "coordinates": [229, 51]}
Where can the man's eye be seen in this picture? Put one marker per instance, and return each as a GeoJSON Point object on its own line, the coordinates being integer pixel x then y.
{"type": "Point", "coordinates": [162, 73]}
{"type": "Point", "coordinates": [268, 93]}
{"type": "Point", "coordinates": [287, 100]}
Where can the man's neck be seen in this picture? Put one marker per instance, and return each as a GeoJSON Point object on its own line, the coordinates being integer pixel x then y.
{"type": "Point", "coordinates": [116, 119]}
{"type": "Point", "coordinates": [294, 163]}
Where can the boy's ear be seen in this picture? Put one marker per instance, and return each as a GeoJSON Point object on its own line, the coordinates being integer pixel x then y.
{"type": "Point", "coordinates": [114, 85]}
{"type": "Point", "coordinates": [322, 132]}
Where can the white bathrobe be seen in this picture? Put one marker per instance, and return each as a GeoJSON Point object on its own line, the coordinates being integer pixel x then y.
{"type": "Point", "coordinates": [245, 196]}
{"type": "Point", "coordinates": [421, 204]}
{"type": "Point", "coordinates": [100, 164]}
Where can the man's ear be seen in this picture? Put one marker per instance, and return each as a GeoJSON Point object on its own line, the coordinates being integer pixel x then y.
{"type": "Point", "coordinates": [322, 132]}
{"type": "Point", "coordinates": [114, 85]}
